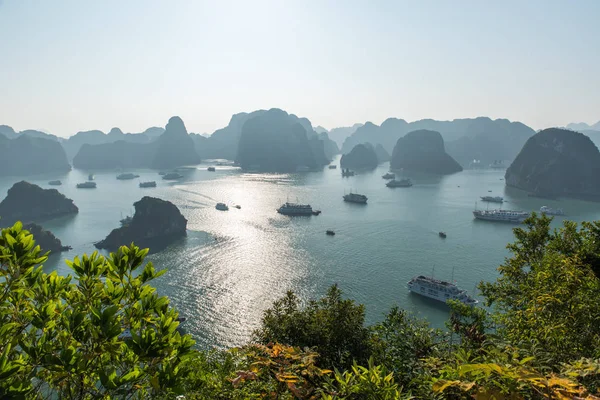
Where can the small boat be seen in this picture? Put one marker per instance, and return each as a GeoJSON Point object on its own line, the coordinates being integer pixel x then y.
{"type": "Point", "coordinates": [238, 207]}
{"type": "Point", "coordinates": [127, 176]}
{"type": "Point", "coordinates": [401, 183]}
{"type": "Point", "coordinates": [55, 183]}
{"type": "Point", "coordinates": [332, 166]}
{"type": "Point", "coordinates": [86, 185]}
{"type": "Point", "coordinates": [330, 232]}
{"type": "Point", "coordinates": [90, 177]}
{"type": "Point", "coordinates": [551, 211]}
{"type": "Point", "coordinates": [222, 207]}
{"type": "Point", "coordinates": [493, 199]}
{"type": "Point", "coordinates": [211, 169]}
{"type": "Point", "coordinates": [148, 184]}
{"type": "Point", "coordinates": [355, 198]}
{"type": "Point", "coordinates": [172, 176]}
{"type": "Point", "coordinates": [442, 234]}
{"type": "Point", "coordinates": [389, 175]}
{"type": "Point", "coordinates": [316, 212]}
{"type": "Point", "coordinates": [347, 172]}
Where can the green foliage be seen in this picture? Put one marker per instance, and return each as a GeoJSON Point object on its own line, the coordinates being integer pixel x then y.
{"type": "Point", "coordinates": [547, 298]}
{"type": "Point", "coordinates": [372, 382]}
{"type": "Point", "coordinates": [401, 343]}
{"type": "Point", "coordinates": [66, 337]}
{"type": "Point", "coordinates": [103, 332]}
{"type": "Point", "coordinates": [333, 326]}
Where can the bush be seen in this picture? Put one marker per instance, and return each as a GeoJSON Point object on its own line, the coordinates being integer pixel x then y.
{"type": "Point", "coordinates": [334, 327]}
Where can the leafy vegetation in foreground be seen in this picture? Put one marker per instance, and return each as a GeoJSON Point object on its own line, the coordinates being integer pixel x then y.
{"type": "Point", "coordinates": [103, 332]}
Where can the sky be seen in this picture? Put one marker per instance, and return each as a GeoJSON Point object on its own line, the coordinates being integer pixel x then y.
{"type": "Point", "coordinates": [74, 65]}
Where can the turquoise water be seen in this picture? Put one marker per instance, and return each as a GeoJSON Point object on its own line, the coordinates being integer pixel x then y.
{"type": "Point", "coordinates": [234, 264]}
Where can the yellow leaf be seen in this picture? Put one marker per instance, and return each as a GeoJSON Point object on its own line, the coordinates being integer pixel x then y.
{"type": "Point", "coordinates": [442, 385]}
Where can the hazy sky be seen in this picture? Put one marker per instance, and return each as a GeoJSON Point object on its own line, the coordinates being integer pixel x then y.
{"type": "Point", "coordinates": [70, 65]}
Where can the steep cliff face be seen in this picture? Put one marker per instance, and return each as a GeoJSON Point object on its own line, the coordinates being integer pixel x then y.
{"type": "Point", "coordinates": [362, 156]}
{"type": "Point", "coordinates": [26, 202]}
{"type": "Point", "coordinates": [557, 162]}
{"type": "Point", "coordinates": [276, 141]}
{"type": "Point", "coordinates": [329, 146]}
{"type": "Point", "coordinates": [45, 239]}
{"type": "Point", "coordinates": [423, 151]}
{"type": "Point", "coordinates": [28, 155]}
{"type": "Point", "coordinates": [174, 147]}
{"type": "Point", "coordinates": [382, 154]}
{"type": "Point", "coordinates": [155, 222]}
{"type": "Point", "coordinates": [225, 142]}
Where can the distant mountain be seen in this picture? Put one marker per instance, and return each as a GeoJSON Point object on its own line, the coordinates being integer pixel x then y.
{"type": "Point", "coordinates": [423, 151]}
{"type": "Point", "coordinates": [274, 140]}
{"type": "Point", "coordinates": [223, 143]}
{"type": "Point", "coordinates": [557, 162]}
{"type": "Point", "coordinates": [594, 135]}
{"type": "Point", "coordinates": [582, 126]}
{"type": "Point", "coordinates": [362, 156]}
{"type": "Point", "coordinates": [74, 143]}
{"type": "Point", "coordinates": [320, 129]}
{"type": "Point", "coordinates": [466, 139]}
{"type": "Point", "coordinates": [29, 155]}
{"type": "Point", "coordinates": [174, 147]}
{"type": "Point", "coordinates": [340, 134]}
{"type": "Point", "coordinates": [382, 154]}
{"type": "Point", "coordinates": [8, 132]}
{"type": "Point", "coordinates": [11, 134]}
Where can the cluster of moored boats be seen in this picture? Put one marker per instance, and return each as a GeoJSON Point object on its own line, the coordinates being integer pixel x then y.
{"type": "Point", "coordinates": [90, 184]}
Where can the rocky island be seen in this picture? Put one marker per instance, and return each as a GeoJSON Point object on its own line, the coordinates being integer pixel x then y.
{"type": "Point", "coordinates": [423, 151]}
{"type": "Point", "coordinates": [557, 162]}
{"type": "Point", "coordinates": [45, 239]}
{"type": "Point", "coordinates": [27, 202]}
{"type": "Point", "coordinates": [29, 155]}
{"type": "Point", "coordinates": [277, 141]}
{"type": "Point", "coordinates": [155, 223]}
{"type": "Point", "coordinates": [173, 148]}
{"type": "Point", "coordinates": [362, 156]}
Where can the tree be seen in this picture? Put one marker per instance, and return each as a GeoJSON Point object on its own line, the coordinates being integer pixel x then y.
{"type": "Point", "coordinates": [103, 332]}
{"type": "Point", "coordinates": [547, 298]}
{"type": "Point", "coordinates": [333, 326]}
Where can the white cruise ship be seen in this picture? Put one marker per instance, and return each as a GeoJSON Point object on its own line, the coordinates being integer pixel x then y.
{"type": "Point", "coordinates": [501, 215]}
{"type": "Point", "coordinates": [439, 290]}
{"type": "Point", "coordinates": [295, 209]}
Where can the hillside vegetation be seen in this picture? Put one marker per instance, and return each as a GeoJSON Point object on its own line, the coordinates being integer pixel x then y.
{"type": "Point", "coordinates": [104, 332]}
